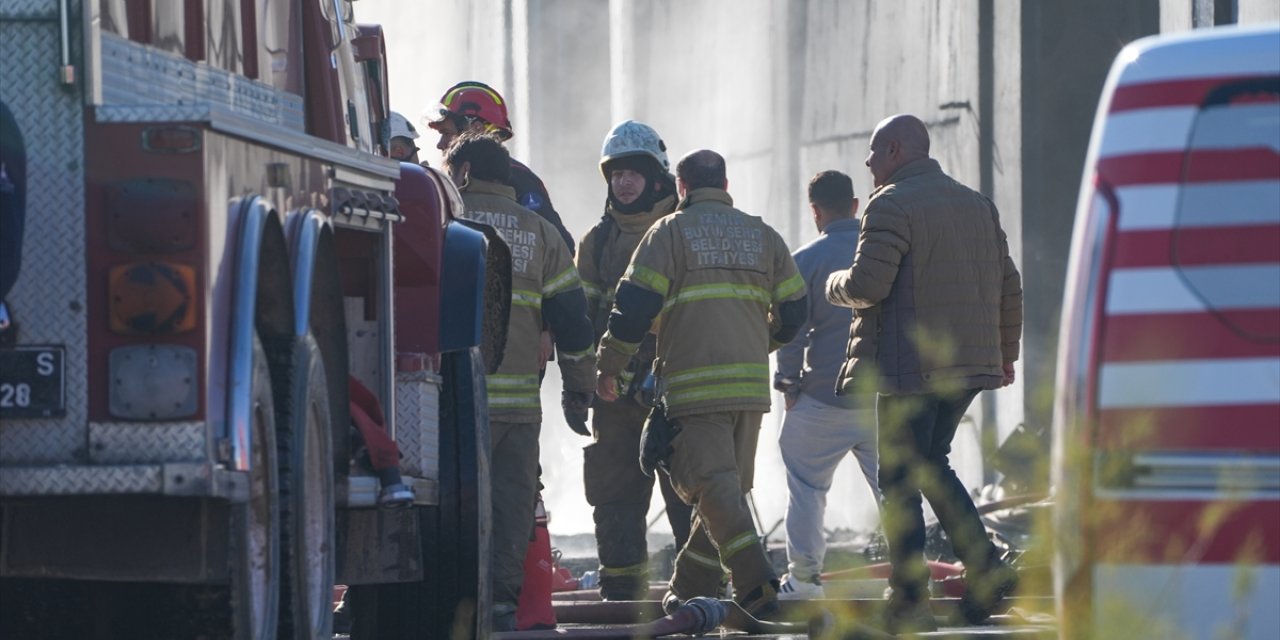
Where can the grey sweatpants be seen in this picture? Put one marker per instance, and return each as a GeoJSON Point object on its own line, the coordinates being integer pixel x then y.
{"type": "Point", "coordinates": [815, 437]}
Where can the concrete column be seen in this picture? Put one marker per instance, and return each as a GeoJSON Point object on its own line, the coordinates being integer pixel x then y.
{"type": "Point", "coordinates": [515, 73]}
{"type": "Point", "coordinates": [1202, 13]}
{"type": "Point", "coordinates": [788, 79]}
{"type": "Point", "coordinates": [622, 60]}
{"type": "Point", "coordinates": [1257, 11]}
{"type": "Point", "coordinates": [562, 68]}
{"type": "Point", "coordinates": [1002, 160]}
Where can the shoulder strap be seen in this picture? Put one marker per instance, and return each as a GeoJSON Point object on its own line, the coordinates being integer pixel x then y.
{"type": "Point", "coordinates": [606, 228]}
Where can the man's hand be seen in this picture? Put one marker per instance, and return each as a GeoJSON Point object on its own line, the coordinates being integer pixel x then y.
{"type": "Point", "coordinates": [836, 282]}
{"type": "Point", "coordinates": [790, 388]}
{"type": "Point", "coordinates": [575, 405]}
{"type": "Point", "coordinates": [607, 387]}
{"type": "Point", "coordinates": [1009, 375]}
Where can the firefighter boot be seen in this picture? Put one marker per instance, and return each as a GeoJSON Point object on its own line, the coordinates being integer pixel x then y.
{"type": "Point", "coordinates": [623, 551]}
{"type": "Point", "coordinates": [762, 601]}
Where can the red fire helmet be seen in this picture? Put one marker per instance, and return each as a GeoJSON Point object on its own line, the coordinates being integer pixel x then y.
{"type": "Point", "coordinates": [473, 101]}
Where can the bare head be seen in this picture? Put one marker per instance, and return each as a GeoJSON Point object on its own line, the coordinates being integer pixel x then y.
{"type": "Point", "coordinates": [831, 198]}
{"type": "Point", "coordinates": [896, 141]}
{"type": "Point", "coordinates": [699, 169]}
{"type": "Point", "coordinates": [477, 155]}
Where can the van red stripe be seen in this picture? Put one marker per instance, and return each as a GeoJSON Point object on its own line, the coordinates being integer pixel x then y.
{"type": "Point", "coordinates": [1169, 93]}
{"type": "Point", "coordinates": [1254, 428]}
{"type": "Point", "coordinates": [1189, 336]}
{"type": "Point", "coordinates": [1211, 165]}
{"type": "Point", "coordinates": [1188, 532]}
{"type": "Point", "coordinates": [1254, 244]}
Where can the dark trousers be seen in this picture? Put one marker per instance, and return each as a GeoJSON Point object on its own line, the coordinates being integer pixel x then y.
{"type": "Point", "coordinates": [915, 438]}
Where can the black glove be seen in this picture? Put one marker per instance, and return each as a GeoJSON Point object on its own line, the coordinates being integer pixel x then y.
{"type": "Point", "coordinates": [575, 405]}
{"type": "Point", "coordinates": [788, 386]}
{"type": "Point", "coordinates": [655, 441]}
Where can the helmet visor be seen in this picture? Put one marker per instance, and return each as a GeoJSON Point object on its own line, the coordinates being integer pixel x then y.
{"type": "Point", "coordinates": [439, 114]}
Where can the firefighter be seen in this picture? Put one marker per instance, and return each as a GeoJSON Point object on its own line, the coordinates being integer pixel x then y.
{"type": "Point", "coordinates": [544, 287]}
{"type": "Point", "coordinates": [641, 190]}
{"type": "Point", "coordinates": [729, 293]}
{"type": "Point", "coordinates": [475, 106]}
{"type": "Point", "coordinates": [402, 135]}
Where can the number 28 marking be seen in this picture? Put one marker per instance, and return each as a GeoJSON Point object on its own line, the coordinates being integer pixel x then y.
{"type": "Point", "coordinates": [15, 395]}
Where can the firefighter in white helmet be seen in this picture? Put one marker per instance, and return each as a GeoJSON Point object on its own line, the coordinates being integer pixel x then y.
{"type": "Point", "coordinates": [641, 190]}
{"type": "Point", "coordinates": [402, 134]}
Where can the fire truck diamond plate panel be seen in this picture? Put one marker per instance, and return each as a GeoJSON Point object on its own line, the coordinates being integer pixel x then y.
{"type": "Point", "coordinates": [29, 9]}
{"type": "Point", "coordinates": [136, 75]}
{"type": "Point", "coordinates": [120, 443]}
{"type": "Point", "coordinates": [80, 480]}
{"type": "Point", "coordinates": [418, 423]}
{"type": "Point", "coordinates": [48, 301]}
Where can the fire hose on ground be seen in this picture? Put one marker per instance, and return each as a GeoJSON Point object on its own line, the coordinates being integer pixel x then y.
{"type": "Point", "coordinates": [695, 617]}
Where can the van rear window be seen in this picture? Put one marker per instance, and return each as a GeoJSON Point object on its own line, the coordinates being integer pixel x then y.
{"type": "Point", "coordinates": [1225, 244]}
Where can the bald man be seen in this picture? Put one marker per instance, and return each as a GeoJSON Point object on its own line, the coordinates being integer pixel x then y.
{"type": "Point", "coordinates": [939, 319]}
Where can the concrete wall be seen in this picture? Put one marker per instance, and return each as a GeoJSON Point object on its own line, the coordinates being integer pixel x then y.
{"type": "Point", "coordinates": [1182, 15]}
{"type": "Point", "coordinates": [784, 88]}
{"type": "Point", "coordinates": [568, 98]}
{"type": "Point", "coordinates": [706, 81]}
{"type": "Point", "coordinates": [433, 45]}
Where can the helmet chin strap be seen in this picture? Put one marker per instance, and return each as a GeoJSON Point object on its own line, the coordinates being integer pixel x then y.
{"type": "Point", "coordinates": [650, 196]}
{"type": "Point", "coordinates": [640, 204]}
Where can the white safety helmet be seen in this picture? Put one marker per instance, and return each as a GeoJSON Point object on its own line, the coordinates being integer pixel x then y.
{"type": "Point", "coordinates": [401, 127]}
{"type": "Point", "coordinates": [631, 138]}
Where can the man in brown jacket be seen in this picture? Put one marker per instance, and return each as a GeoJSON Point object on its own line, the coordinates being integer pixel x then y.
{"type": "Point", "coordinates": [940, 318]}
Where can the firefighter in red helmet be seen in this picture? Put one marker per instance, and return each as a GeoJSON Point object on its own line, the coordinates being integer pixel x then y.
{"type": "Point", "coordinates": [476, 106]}
{"type": "Point", "coordinates": [545, 291]}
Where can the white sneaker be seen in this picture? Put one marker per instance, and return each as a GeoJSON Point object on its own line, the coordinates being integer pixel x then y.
{"type": "Point", "coordinates": [793, 589]}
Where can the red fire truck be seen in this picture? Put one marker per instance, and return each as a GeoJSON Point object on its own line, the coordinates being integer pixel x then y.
{"type": "Point", "coordinates": [1167, 423]}
{"type": "Point", "coordinates": [212, 244]}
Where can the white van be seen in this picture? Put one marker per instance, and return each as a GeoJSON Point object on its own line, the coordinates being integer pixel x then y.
{"type": "Point", "coordinates": [1167, 418]}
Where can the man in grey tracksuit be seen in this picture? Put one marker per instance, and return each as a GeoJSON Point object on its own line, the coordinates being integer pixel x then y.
{"type": "Point", "coordinates": [821, 428]}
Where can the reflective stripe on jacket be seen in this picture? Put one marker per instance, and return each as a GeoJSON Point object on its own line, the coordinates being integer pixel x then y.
{"type": "Point", "coordinates": [603, 257]}
{"type": "Point", "coordinates": [606, 251]}
{"type": "Point", "coordinates": [541, 269]}
{"type": "Point", "coordinates": [721, 274]}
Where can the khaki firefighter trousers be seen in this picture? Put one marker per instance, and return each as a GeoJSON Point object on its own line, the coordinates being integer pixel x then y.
{"type": "Point", "coordinates": [514, 491]}
{"type": "Point", "coordinates": [712, 465]}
